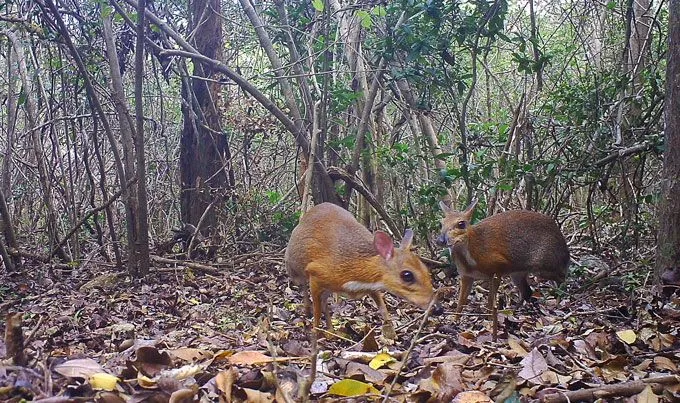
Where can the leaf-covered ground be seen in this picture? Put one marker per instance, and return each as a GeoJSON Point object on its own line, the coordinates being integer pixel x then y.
{"type": "Point", "coordinates": [238, 334]}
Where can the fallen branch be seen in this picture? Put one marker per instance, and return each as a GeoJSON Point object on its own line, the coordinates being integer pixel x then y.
{"type": "Point", "coordinates": [631, 388]}
{"type": "Point", "coordinates": [192, 265]}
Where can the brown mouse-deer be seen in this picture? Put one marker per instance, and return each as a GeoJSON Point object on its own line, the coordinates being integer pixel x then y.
{"type": "Point", "coordinates": [332, 253]}
{"type": "Point", "coordinates": [513, 243]}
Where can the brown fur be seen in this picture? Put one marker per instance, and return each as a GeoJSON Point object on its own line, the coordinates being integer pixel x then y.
{"type": "Point", "coordinates": [329, 248]}
{"type": "Point", "coordinates": [512, 243]}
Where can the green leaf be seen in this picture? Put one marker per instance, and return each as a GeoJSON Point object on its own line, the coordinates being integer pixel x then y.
{"type": "Point", "coordinates": [22, 98]}
{"type": "Point", "coordinates": [365, 19]}
{"type": "Point", "coordinates": [273, 197]}
{"type": "Point", "coordinates": [379, 11]}
{"type": "Point", "coordinates": [106, 11]}
{"type": "Point", "coordinates": [318, 5]}
{"type": "Point", "coordinates": [611, 5]}
{"type": "Point", "coordinates": [443, 156]}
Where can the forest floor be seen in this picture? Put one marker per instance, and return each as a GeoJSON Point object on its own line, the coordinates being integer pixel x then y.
{"type": "Point", "coordinates": [235, 332]}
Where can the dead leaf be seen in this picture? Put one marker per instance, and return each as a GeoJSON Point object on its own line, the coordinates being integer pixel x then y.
{"type": "Point", "coordinates": [185, 395]}
{"type": "Point", "coordinates": [108, 397]}
{"type": "Point", "coordinates": [644, 365]}
{"type": "Point", "coordinates": [613, 369]}
{"type": "Point", "coordinates": [151, 361]}
{"type": "Point", "coordinates": [453, 356]}
{"type": "Point", "coordinates": [662, 362]}
{"type": "Point", "coordinates": [369, 342]}
{"type": "Point", "coordinates": [359, 371]}
{"type": "Point", "coordinates": [647, 396]}
{"type": "Point", "coordinates": [533, 365]}
{"type": "Point", "coordinates": [190, 354]}
{"type": "Point", "coordinates": [553, 378]}
{"type": "Point", "coordinates": [471, 397]}
{"type": "Point", "coordinates": [250, 358]}
{"type": "Point", "coordinates": [627, 336]}
{"type": "Point", "coordinates": [582, 346]}
{"type": "Point", "coordinates": [79, 368]}
{"type": "Point", "coordinates": [255, 396]}
{"type": "Point", "coordinates": [224, 381]}
{"type": "Point", "coordinates": [446, 382]}
{"type": "Point", "coordinates": [183, 372]}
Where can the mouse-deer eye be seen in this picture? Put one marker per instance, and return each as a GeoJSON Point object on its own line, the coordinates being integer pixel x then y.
{"type": "Point", "coordinates": [408, 277]}
{"type": "Point", "coordinates": [462, 224]}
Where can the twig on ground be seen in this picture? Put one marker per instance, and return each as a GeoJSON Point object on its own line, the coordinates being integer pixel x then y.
{"type": "Point", "coordinates": [414, 340]}
{"type": "Point", "coordinates": [620, 389]}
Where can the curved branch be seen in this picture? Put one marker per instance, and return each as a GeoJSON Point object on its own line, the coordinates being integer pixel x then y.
{"type": "Point", "coordinates": [339, 173]}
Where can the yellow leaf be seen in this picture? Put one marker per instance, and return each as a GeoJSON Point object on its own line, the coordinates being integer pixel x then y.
{"type": "Point", "coordinates": [146, 382]}
{"type": "Point", "coordinates": [380, 360]}
{"type": "Point", "coordinates": [351, 387]}
{"type": "Point", "coordinates": [627, 336]}
{"type": "Point", "coordinates": [103, 381]}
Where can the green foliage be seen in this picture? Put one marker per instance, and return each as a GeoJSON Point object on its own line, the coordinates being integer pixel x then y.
{"type": "Point", "coordinates": [342, 98]}
{"type": "Point", "coordinates": [364, 18]}
{"type": "Point", "coordinates": [318, 5]}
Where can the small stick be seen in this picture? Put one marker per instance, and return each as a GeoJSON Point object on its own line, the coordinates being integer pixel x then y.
{"type": "Point", "coordinates": [621, 389]}
{"type": "Point", "coordinates": [414, 340]}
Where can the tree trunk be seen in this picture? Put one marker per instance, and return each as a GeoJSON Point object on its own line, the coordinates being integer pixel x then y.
{"type": "Point", "coordinates": [142, 223]}
{"type": "Point", "coordinates": [668, 250]}
{"type": "Point", "coordinates": [126, 133]}
{"type": "Point", "coordinates": [205, 158]}
{"type": "Point", "coordinates": [38, 151]}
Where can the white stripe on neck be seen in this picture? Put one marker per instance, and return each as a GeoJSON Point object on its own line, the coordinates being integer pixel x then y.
{"type": "Point", "coordinates": [354, 286]}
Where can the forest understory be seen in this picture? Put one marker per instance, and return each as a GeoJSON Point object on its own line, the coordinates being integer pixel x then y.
{"type": "Point", "coordinates": [126, 123]}
{"type": "Point", "coordinates": [235, 331]}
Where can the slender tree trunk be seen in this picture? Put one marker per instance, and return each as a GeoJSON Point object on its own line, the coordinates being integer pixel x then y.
{"type": "Point", "coordinates": [534, 45]}
{"type": "Point", "coordinates": [12, 106]}
{"type": "Point", "coordinates": [142, 223]}
{"type": "Point", "coordinates": [206, 170]}
{"type": "Point", "coordinates": [668, 250]}
{"type": "Point", "coordinates": [93, 99]}
{"type": "Point", "coordinates": [127, 140]}
{"type": "Point", "coordinates": [38, 151]}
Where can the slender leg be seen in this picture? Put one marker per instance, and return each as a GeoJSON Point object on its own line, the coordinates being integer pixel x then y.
{"type": "Point", "coordinates": [520, 281]}
{"type": "Point", "coordinates": [306, 301]}
{"type": "Point", "coordinates": [316, 302]}
{"type": "Point", "coordinates": [327, 310]}
{"type": "Point", "coordinates": [492, 304]}
{"type": "Point", "coordinates": [465, 288]}
{"type": "Point", "coordinates": [387, 329]}
{"type": "Point", "coordinates": [493, 292]}
{"type": "Point", "coordinates": [319, 295]}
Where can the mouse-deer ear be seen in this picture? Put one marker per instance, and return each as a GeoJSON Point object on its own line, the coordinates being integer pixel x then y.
{"type": "Point", "coordinates": [471, 208]}
{"type": "Point", "coordinates": [446, 209]}
{"type": "Point", "coordinates": [383, 244]}
{"type": "Point", "coordinates": [406, 241]}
